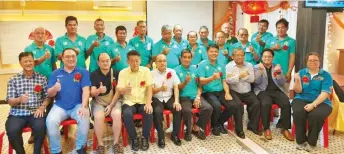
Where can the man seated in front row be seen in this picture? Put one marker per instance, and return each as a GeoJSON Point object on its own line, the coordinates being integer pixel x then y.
{"type": "Point", "coordinates": [28, 102]}
{"type": "Point", "coordinates": [269, 88]}
{"type": "Point", "coordinates": [104, 103]}
{"type": "Point", "coordinates": [135, 84]}
{"type": "Point", "coordinates": [216, 92]}
{"type": "Point", "coordinates": [190, 95]}
{"type": "Point", "coordinates": [166, 96]}
{"type": "Point", "coordinates": [240, 75]}
{"type": "Point", "coordinates": [70, 85]}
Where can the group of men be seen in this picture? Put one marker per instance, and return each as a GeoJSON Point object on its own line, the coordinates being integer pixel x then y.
{"type": "Point", "coordinates": [144, 77]}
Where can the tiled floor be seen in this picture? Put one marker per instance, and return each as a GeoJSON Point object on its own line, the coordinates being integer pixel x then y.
{"type": "Point", "coordinates": [224, 144]}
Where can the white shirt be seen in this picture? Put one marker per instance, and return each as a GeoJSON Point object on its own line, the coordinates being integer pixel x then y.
{"type": "Point", "coordinates": [161, 77]}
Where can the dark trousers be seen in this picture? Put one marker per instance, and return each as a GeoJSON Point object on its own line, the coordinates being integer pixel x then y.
{"type": "Point", "coordinates": [315, 119]}
{"type": "Point", "coordinates": [14, 127]}
{"type": "Point", "coordinates": [253, 107]}
{"type": "Point", "coordinates": [232, 107]}
{"type": "Point", "coordinates": [203, 116]}
{"type": "Point", "coordinates": [128, 113]}
{"type": "Point", "coordinates": [158, 108]}
{"type": "Point", "coordinates": [267, 98]}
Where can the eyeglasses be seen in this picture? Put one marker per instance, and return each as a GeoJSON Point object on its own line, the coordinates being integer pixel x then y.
{"type": "Point", "coordinates": [313, 61]}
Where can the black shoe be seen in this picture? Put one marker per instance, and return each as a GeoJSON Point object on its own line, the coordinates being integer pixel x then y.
{"type": "Point", "coordinates": [145, 144]}
{"type": "Point", "coordinates": [255, 131]}
{"type": "Point", "coordinates": [161, 143]}
{"type": "Point", "coordinates": [199, 134]}
{"type": "Point", "coordinates": [223, 130]}
{"type": "Point", "coordinates": [188, 137]}
{"type": "Point", "coordinates": [81, 151]}
{"type": "Point", "coordinates": [240, 134]}
{"type": "Point", "coordinates": [135, 144]}
{"type": "Point", "coordinates": [176, 140]}
{"type": "Point", "coordinates": [91, 126]}
{"type": "Point", "coordinates": [216, 131]}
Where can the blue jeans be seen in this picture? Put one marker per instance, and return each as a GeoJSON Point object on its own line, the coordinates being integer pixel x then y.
{"type": "Point", "coordinates": [56, 116]}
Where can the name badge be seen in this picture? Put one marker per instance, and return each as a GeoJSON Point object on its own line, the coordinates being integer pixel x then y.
{"type": "Point", "coordinates": [247, 50]}
{"type": "Point", "coordinates": [149, 46]}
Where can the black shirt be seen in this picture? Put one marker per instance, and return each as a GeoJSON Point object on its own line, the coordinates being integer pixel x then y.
{"type": "Point", "coordinates": [97, 76]}
{"type": "Point", "coordinates": [271, 84]}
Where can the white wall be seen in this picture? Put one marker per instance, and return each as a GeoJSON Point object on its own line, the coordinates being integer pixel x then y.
{"type": "Point", "coordinates": [189, 14]}
{"type": "Point", "coordinates": [14, 35]}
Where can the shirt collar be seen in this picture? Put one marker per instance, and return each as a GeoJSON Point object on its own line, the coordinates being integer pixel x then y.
{"type": "Point", "coordinates": [284, 39]}
{"type": "Point", "coordinates": [23, 75]}
{"type": "Point", "coordinates": [234, 64]}
{"type": "Point", "coordinates": [140, 69]}
{"type": "Point", "coordinates": [184, 68]}
{"type": "Point", "coordinates": [321, 71]}
{"type": "Point", "coordinates": [77, 36]}
{"type": "Point", "coordinates": [101, 73]}
{"type": "Point", "coordinates": [117, 44]}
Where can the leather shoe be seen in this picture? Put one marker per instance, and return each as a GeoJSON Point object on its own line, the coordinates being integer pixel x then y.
{"type": "Point", "coordinates": [188, 137]}
{"type": "Point", "coordinates": [161, 143]}
{"type": "Point", "coordinates": [199, 134]}
{"type": "Point", "coordinates": [145, 144]}
{"type": "Point", "coordinates": [255, 131]}
{"type": "Point", "coordinates": [223, 130]}
{"type": "Point", "coordinates": [267, 134]}
{"type": "Point", "coordinates": [240, 134]}
{"type": "Point", "coordinates": [135, 144]}
{"type": "Point", "coordinates": [216, 131]}
{"type": "Point", "coordinates": [287, 135]}
{"type": "Point", "coordinates": [176, 140]}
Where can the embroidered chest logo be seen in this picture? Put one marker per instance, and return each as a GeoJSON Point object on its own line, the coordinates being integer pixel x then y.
{"type": "Point", "coordinates": [80, 43]}
{"type": "Point", "coordinates": [107, 43]}
{"type": "Point", "coordinates": [65, 43]}
{"type": "Point", "coordinates": [320, 78]}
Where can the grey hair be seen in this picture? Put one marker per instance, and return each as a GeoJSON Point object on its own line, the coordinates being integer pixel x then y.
{"type": "Point", "coordinates": [203, 27]}
{"type": "Point", "coordinates": [174, 28]}
{"type": "Point", "coordinates": [165, 28]}
{"type": "Point", "coordinates": [235, 50]}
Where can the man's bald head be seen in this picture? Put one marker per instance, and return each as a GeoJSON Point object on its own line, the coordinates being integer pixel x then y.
{"type": "Point", "coordinates": [39, 34]}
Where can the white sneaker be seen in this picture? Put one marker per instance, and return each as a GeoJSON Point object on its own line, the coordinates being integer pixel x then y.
{"type": "Point", "coordinates": [309, 148]}
{"type": "Point", "coordinates": [301, 146]}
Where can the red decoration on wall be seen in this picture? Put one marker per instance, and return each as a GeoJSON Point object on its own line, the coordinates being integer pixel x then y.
{"type": "Point", "coordinates": [254, 19]}
{"type": "Point", "coordinates": [254, 7]}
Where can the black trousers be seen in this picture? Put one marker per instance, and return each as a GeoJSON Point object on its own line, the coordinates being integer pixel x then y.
{"type": "Point", "coordinates": [253, 107]}
{"type": "Point", "coordinates": [128, 113]}
{"type": "Point", "coordinates": [158, 108]}
{"type": "Point", "coordinates": [232, 107]}
{"type": "Point", "coordinates": [267, 98]}
{"type": "Point", "coordinates": [203, 116]}
{"type": "Point", "coordinates": [315, 120]}
{"type": "Point", "coordinates": [14, 127]}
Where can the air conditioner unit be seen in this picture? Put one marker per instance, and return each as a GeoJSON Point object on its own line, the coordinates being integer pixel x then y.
{"type": "Point", "coordinates": [112, 5]}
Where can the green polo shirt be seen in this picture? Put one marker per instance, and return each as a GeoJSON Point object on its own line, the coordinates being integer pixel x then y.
{"type": "Point", "coordinates": [144, 48]}
{"type": "Point", "coordinates": [265, 37]}
{"type": "Point", "coordinates": [115, 50]}
{"type": "Point", "coordinates": [205, 70]}
{"type": "Point", "coordinates": [46, 67]}
{"type": "Point", "coordinates": [282, 56]}
{"type": "Point", "coordinates": [221, 58]}
{"type": "Point", "coordinates": [190, 89]}
{"type": "Point", "coordinates": [231, 41]}
{"type": "Point", "coordinates": [174, 54]}
{"type": "Point", "coordinates": [103, 45]}
{"type": "Point", "coordinates": [199, 41]}
{"type": "Point", "coordinates": [248, 55]}
{"type": "Point", "coordinates": [64, 42]}
{"type": "Point", "coordinates": [183, 43]}
{"type": "Point", "coordinates": [200, 53]}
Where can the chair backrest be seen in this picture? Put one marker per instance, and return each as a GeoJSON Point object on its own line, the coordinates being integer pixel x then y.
{"type": "Point", "coordinates": [1, 140]}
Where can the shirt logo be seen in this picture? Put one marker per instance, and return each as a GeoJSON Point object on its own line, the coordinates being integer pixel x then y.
{"type": "Point", "coordinates": [285, 43]}
{"type": "Point", "coordinates": [207, 67]}
{"type": "Point", "coordinates": [59, 76]}
{"type": "Point", "coordinates": [116, 50]}
{"type": "Point", "coordinates": [175, 46]}
{"type": "Point", "coordinates": [149, 46]}
{"type": "Point", "coordinates": [219, 68]}
{"type": "Point", "coordinates": [318, 78]}
{"type": "Point", "coordinates": [107, 43]}
{"type": "Point", "coordinates": [193, 75]}
{"type": "Point", "coordinates": [180, 74]}
{"type": "Point", "coordinates": [65, 43]}
{"type": "Point", "coordinates": [80, 43]}
{"type": "Point", "coordinates": [130, 49]}
{"type": "Point", "coordinates": [199, 51]}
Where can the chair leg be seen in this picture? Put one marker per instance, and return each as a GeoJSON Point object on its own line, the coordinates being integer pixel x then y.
{"type": "Point", "coordinates": [45, 146]}
{"type": "Point", "coordinates": [152, 134]}
{"type": "Point", "coordinates": [293, 130]}
{"type": "Point", "coordinates": [207, 129]}
{"type": "Point", "coordinates": [325, 132]}
{"type": "Point", "coordinates": [181, 133]}
{"type": "Point", "coordinates": [65, 132]}
{"type": "Point", "coordinates": [124, 136]}
{"type": "Point", "coordinates": [168, 120]}
{"type": "Point", "coordinates": [10, 149]}
{"type": "Point", "coordinates": [95, 141]}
